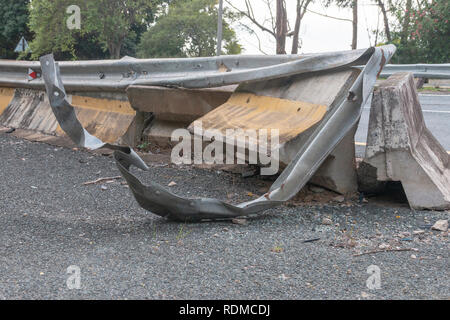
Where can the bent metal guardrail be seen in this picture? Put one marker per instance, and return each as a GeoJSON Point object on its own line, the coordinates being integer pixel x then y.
{"type": "Point", "coordinates": [117, 75]}
{"type": "Point", "coordinates": [324, 139]}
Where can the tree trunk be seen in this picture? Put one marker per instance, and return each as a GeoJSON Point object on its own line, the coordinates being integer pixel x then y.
{"type": "Point", "coordinates": [281, 25]}
{"type": "Point", "coordinates": [355, 24]}
{"type": "Point", "coordinates": [387, 31]}
{"type": "Point", "coordinates": [405, 27]}
{"type": "Point", "coordinates": [114, 50]}
{"type": "Point", "coordinates": [298, 21]}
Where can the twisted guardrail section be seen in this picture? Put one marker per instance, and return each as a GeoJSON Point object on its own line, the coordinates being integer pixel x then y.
{"type": "Point", "coordinates": [311, 155]}
{"type": "Point", "coordinates": [117, 75]}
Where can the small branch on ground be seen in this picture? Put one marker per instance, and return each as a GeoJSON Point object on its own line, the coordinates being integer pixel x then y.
{"type": "Point", "coordinates": [101, 180]}
{"type": "Point", "coordinates": [383, 250]}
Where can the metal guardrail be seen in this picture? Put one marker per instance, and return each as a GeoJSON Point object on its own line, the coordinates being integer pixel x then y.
{"type": "Point", "coordinates": [309, 157]}
{"type": "Point", "coordinates": [117, 75]}
{"type": "Point", "coordinates": [428, 71]}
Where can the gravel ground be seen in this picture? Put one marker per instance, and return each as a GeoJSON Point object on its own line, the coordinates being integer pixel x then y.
{"type": "Point", "coordinates": [51, 221]}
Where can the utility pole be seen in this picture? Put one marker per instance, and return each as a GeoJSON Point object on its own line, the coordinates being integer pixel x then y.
{"type": "Point", "coordinates": [220, 28]}
{"type": "Point", "coordinates": [355, 24]}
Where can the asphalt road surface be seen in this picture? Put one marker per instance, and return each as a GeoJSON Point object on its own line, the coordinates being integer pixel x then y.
{"type": "Point", "coordinates": [436, 111]}
{"type": "Point", "coordinates": [50, 221]}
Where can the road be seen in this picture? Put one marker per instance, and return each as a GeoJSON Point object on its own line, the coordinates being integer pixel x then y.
{"type": "Point", "coordinates": [436, 111]}
{"type": "Point", "coordinates": [50, 221]}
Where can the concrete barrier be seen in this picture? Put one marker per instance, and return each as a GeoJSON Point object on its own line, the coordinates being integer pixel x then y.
{"type": "Point", "coordinates": [29, 109]}
{"type": "Point", "coordinates": [171, 109]}
{"type": "Point", "coordinates": [401, 148]}
{"type": "Point", "coordinates": [295, 106]}
{"type": "Point", "coordinates": [346, 89]}
{"type": "Point", "coordinates": [6, 95]}
{"type": "Point", "coordinates": [108, 116]}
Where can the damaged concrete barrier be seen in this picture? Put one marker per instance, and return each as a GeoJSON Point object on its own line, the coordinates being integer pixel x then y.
{"type": "Point", "coordinates": [107, 115]}
{"type": "Point", "coordinates": [401, 148]}
{"type": "Point", "coordinates": [334, 124]}
{"type": "Point", "coordinates": [29, 109]}
{"type": "Point", "coordinates": [171, 109]}
{"type": "Point", "coordinates": [295, 106]}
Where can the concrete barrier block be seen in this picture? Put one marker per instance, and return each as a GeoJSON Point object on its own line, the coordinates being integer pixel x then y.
{"type": "Point", "coordinates": [338, 172]}
{"type": "Point", "coordinates": [295, 106]}
{"type": "Point", "coordinates": [173, 108]}
{"type": "Point", "coordinates": [159, 132]}
{"type": "Point", "coordinates": [6, 95]}
{"type": "Point", "coordinates": [29, 109]}
{"type": "Point", "coordinates": [107, 117]}
{"type": "Point", "coordinates": [179, 105]}
{"type": "Point", "coordinates": [401, 148]}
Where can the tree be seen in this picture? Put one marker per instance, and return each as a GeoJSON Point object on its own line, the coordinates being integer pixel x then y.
{"type": "Point", "coordinates": [114, 20]}
{"type": "Point", "coordinates": [106, 26]}
{"type": "Point", "coordinates": [188, 29]}
{"type": "Point", "coordinates": [14, 17]}
{"type": "Point", "coordinates": [47, 21]}
{"type": "Point", "coordinates": [422, 32]}
{"type": "Point", "coordinates": [353, 4]}
{"type": "Point", "coordinates": [278, 25]}
{"type": "Point", "coordinates": [406, 20]}
{"type": "Point", "coordinates": [281, 27]}
{"type": "Point", "coordinates": [302, 6]}
{"type": "Point", "coordinates": [387, 29]}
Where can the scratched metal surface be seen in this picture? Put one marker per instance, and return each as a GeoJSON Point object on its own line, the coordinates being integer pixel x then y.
{"type": "Point", "coordinates": [153, 197]}
{"type": "Point", "coordinates": [117, 75]}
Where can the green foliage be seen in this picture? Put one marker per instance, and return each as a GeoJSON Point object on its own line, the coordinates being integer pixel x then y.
{"type": "Point", "coordinates": [114, 21]}
{"type": "Point", "coordinates": [188, 29]}
{"type": "Point", "coordinates": [14, 18]}
{"type": "Point", "coordinates": [48, 22]}
{"type": "Point", "coordinates": [113, 28]}
{"type": "Point", "coordinates": [428, 34]}
{"type": "Point", "coordinates": [107, 27]}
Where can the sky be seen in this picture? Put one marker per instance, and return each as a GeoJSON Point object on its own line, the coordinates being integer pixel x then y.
{"type": "Point", "coordinates": [318, 33]}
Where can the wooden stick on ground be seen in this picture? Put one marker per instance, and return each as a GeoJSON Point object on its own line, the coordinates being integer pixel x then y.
{"type": "Point", "coordinates": [383, 250]}
{"type": "Point", "coordinates": [101, 180]}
